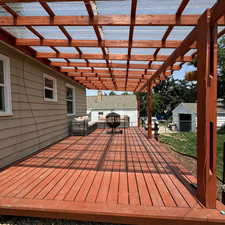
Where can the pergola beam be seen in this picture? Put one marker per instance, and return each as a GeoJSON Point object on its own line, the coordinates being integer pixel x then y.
{"type": "Point", "coordinates": [112, 65]}
{"type": "Point", "coordinates": [109, 56]}
{"type": "Point", "coordinates": [103, 20]}
{"type": "Point", "coordinates": [105, 71]}
{"type": "Point", "coordinates": [115, 74]}
{"type": "Point", "coordinates": [99, 43]}
{"type": "Point", "coordinates": [134, 81]}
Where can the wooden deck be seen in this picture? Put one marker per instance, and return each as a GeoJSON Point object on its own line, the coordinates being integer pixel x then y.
{"type": "Point", "coordinates": [122, 178]}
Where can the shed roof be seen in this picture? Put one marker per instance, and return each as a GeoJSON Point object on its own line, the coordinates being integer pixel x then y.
{"type": "Point", "coordinates": [110, 102]}
{"type": "Point", "coordinates": [192, 107]}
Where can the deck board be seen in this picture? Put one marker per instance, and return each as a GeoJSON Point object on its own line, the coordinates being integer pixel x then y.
{"type": "Point", "coordinates": [122, 178]}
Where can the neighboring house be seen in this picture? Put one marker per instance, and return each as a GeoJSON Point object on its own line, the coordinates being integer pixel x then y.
{"type": "Point", "coordinates": [101, 105]}
{"type": "Point", "coordinates": [185, 116]}
{"type": "Point", "coordinates": [36, 105]}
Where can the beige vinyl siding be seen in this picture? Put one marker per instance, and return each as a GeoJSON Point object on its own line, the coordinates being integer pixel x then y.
{"type": "Point", "coordinates": [35, 123]}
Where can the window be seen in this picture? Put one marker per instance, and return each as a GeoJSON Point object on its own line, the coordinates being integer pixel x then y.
{"type": "Point", "coordinates": [50, 88]}
{"type": "Point", "coordinates": [5, 87]}
{"type": "Point", "coordinates": [70, 99]}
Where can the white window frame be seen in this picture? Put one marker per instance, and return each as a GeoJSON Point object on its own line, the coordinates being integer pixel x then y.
{"type": "Point", "coordinates": [54, 89]}
{"type": "Point", "coordinates": [74, 106]}
{"type": "Point", "coordinates": [7, 86]}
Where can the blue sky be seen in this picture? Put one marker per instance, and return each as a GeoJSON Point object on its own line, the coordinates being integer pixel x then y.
{"type": "Point", "coordinates": [179, 74]}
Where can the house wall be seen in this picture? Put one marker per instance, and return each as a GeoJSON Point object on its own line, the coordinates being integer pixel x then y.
{"type": "Point", "coordinates": [129, 112]}
{"type": "Point", "coordinates": [35, 123]}
{"type": "Point", "coordinates": [220, 119]}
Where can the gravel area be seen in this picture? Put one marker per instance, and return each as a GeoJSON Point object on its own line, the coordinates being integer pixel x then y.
{"type": "Point", "coordinates": [13, 220]}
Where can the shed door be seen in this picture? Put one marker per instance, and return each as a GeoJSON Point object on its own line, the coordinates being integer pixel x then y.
{"type": "Point", "coordinates": [185, 122]}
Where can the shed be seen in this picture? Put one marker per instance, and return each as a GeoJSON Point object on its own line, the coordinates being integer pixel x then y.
{"type": "Point", "coordinates": [185, 116]}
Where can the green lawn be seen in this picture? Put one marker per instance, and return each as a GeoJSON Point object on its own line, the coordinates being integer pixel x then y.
{"type": "Point", "coordinates": [186, 143]}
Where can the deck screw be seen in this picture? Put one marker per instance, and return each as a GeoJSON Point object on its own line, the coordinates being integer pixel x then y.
{"type": "Point", "coordinates": [222, 212]}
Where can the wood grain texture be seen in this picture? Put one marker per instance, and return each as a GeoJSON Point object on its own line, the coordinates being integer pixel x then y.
{"type": "Point", "coordinates": [106, 178]}
{"type": "Point", "coordinates": [206, 110]}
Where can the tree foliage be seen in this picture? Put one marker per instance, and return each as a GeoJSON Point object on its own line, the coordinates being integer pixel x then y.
{"type": "Point", "coordinates": [142, 96]}
{"type": "Point", "coordinates": [112, 93]}
{"type": "Point", "coordinates": [221, 68]}
{"type": "Point", "coordinates": [125, 93]}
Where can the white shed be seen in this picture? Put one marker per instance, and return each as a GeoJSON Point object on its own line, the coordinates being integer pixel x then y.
{"type": "Point", "coordinates": [185, 116]}
{"type": "Point", "coordinates": [124, 105]}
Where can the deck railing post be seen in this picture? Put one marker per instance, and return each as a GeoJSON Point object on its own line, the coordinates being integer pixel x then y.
{"type": "Point", "coordinates": [206, 110]}
{"type": "Point", "coordinates": [149, 111]}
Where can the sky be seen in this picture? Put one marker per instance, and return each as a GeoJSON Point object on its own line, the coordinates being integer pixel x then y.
{"type": "Point", "coordinates": [179, 74]}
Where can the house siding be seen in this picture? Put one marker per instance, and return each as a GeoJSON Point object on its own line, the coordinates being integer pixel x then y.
{"type": "Point", "coordinates": [35, 123]}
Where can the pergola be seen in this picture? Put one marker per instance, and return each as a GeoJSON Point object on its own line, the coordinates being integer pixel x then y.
{"type": "Point", "coordinates": [127, 45]}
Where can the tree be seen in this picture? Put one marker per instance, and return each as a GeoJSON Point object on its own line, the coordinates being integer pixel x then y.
{"type": "Point", "coordinates": [112, 93]}
{"type": "Point", "coordinates": [221, 69]}
{"type": "Point", "coordinates": [142, 96]}
{"type": "Point", "coordinates": [156, 104]}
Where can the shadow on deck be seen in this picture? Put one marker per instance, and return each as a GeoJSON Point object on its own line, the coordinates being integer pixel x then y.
{"type": "Point", "coordinates": [123, 178]}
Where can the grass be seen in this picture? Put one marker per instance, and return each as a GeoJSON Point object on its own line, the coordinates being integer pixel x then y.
{"type": "Point", "coordinates": [185, 142]}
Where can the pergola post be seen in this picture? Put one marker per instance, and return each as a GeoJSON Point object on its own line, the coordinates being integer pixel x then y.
{"type": "Point", "coordinates": [149, 107]}
{"type": "Point", "coordinates": [206, 110]}
{"type": "Point", "coordinates": [139, 110]}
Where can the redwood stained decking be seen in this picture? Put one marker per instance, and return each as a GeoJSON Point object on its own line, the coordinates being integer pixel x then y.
{"type": "Point", "coordinates": [122, 178]}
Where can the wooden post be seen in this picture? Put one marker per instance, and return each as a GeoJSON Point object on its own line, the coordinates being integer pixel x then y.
{"type": "Point", "coordinates": [139, 110]}
{"type": "Point", "coordinates": [149, 107]}
{"type": "Point", "coordinates": [206, 110]}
